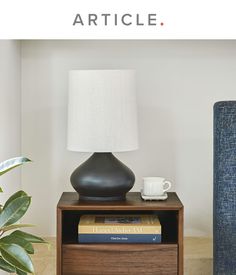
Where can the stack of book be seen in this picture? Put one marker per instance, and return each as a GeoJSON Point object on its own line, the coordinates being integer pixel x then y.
{"type": "Point", "coordinates": [119, 229]}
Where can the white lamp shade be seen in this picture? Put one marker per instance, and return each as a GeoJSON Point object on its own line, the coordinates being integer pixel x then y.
{"type": "Point", "coordinates": [102, 111]}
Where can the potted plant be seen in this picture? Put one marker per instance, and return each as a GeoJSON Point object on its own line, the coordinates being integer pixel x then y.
{"type": "Point", "coordinates": [15, 244]}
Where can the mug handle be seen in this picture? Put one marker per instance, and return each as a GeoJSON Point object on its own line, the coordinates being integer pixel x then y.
{"type": "Point", "coordinates": [168, 187]}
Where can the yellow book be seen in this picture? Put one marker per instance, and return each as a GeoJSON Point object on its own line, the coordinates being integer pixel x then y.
{"type": "Point", "coordinates": [119, 224]}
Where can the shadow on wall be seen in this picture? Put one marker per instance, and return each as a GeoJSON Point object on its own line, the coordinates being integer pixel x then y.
{"type": "Point", "coordinates": [156, 143]}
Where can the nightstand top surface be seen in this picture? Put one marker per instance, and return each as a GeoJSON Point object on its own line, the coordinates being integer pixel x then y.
{"type": "Point", "coordinates": [70, 201]}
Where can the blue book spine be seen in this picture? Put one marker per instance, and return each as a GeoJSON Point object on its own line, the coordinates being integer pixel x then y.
{"type": "Point", "coordinates": [119, 238]}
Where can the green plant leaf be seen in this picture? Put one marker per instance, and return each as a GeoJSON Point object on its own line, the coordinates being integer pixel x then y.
{"type": "Point", "coordinates": [20, 272]}
{"type": "Point", "coordinates": [16, 195]}
{"type": "Point", "coordinates": [11, 239]}
{"type": "Point", "coordinates": [6, 266]}
{"type": "Point", "coordinates": [29, 237]}
{"type": "Point", "coordinates": [15, 226]}
{"type": "Point", "coordinates": [16, 256]}
{"type": "Point", "coordinates": [14, 211]}
{"type": "Point", "coordinates": [1, 190]}
{"type": "Point", "coordinates": [9, 164]}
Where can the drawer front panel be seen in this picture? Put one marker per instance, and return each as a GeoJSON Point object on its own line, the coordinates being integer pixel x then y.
{"type": "Point", "coordinates": [120, 259]}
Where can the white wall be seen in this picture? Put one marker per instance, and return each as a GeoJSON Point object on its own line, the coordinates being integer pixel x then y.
{"type": "Point", "coordinates": [10, 112]}
{"type": "Point", "coordinates": [178, 83]}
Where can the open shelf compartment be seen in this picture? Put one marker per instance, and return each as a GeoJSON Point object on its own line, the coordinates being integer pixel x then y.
{"type": "Point", "coordinates": [168, 220]}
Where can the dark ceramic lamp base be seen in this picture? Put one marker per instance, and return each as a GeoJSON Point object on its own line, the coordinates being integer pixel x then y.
{"type": "Point", "coordinates": [102, 178]}
{"type": "Point", "coordinates": [114, 198]}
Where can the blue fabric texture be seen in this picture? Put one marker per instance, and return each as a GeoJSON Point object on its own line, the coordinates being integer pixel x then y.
{"type": "Point", "coordinates": [224, 205]}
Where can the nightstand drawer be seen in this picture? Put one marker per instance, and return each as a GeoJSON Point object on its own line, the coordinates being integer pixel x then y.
{"type": "Point", "coordinates": [119, 259]}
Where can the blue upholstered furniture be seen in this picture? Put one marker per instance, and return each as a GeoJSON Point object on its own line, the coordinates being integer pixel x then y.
{"type": "Point", "coordinates": [225, 188]}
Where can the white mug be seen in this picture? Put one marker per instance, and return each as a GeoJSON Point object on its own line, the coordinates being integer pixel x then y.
{"type": "Point", "coordinates": [155, 186]}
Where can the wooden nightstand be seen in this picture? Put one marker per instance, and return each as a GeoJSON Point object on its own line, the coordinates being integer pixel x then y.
{"type": "Point", "coordinates": [87, 259]}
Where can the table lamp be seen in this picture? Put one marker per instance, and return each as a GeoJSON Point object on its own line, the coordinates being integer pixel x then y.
{"type": "Point", "coordinates": [102, 119]}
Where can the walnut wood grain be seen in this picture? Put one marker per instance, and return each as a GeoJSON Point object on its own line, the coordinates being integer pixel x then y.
{"type": "Point", "coordinates": [181, 241]}
{"type": "Point", "coordinates": [120, 259]}
{"type": "Point", "coordinates": [77, 259]}
{"type": "Point", "coordinates": [70, 201]}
